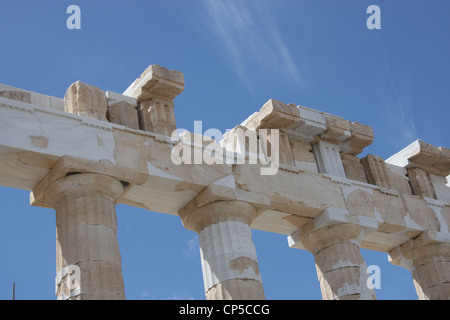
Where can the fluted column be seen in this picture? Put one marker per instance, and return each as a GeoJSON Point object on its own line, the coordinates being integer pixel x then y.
{"type": "Point", "coordinates": [428, 259]}
{"type": "Point", "coordinates": [228, 255]}
{"type": "Point", "coordinates": [341, 269]}
{"type": "Point", "coordinates": [86, 231]}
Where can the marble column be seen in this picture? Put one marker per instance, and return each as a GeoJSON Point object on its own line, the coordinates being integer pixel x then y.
{"type": "Point", "coordinates": [341, 269]}
{"type": "Point", "coordinates": [88, 262]}
{"type": "Point", "coordinates": [228, 255]}
{"type": "Point", "coordinates": [428, 259]}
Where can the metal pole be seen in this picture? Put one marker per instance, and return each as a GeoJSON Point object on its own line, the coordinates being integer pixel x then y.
{"type": "Point", "coordinates": [14, 291]}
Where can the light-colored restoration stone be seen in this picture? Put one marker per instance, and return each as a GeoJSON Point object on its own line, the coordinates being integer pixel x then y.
{"type": "Point", "coordinates": [311, 124]}
{"type": "Point", "coordinates": [328, 158]}
{"type": "Point", "coordinates": [446, 216]}
{"type": "Point", "coordinates": [442, 191]}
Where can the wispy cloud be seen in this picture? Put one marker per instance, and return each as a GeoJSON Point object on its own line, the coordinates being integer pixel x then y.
{"type": "Point", "coordinates": [399, 115]}
{"type": "Point", "coordinates": [177, 297]}
{"type": "Point", "coordinates": [145, 295]}
{"type": "Point", "coordinates": [192, 247]}
{"type": "Point", "coordinates": [395, 97]}
{"type": "Point", "coordinates": [248, 33]}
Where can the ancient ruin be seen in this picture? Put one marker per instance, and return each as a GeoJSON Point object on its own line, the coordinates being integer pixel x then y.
{"type": "Point", "coordinates": [84, 154]}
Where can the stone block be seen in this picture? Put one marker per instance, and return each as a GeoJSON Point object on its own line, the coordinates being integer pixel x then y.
{"type": "Point", "coordinates": [398, 178]}
{"type": "Point", "coordinates": [421, 213]}
{"type": "Point", "coordinates": [419, 154]}
{"type": "Point", "coordinates": [391, 210]}
{"type": "Point", "coordinates": [240, 139]}
{"type": "Point", "coordinates": [114, 97]}
{"type": "Point", "coordinates": [303, 155]}
{"type": "Point", "coordinates": [316, 240]}
{"type": "Point", "coordinates": [157, 115]}
{"type": "Point", "coordinates": [123, 113]}
{"type": "Point", "coordinates": [33, 98]}
{"type": "Point", "coordinates": [426, 154]}
{"type": "Point", "coordinates": [311, 124]}
{"type": "Point", "coordinates": [328, 158]}
{"type": "Point", "coordinates": [446, 216]}
{"type": "Point", "coordinates": [286, 155]}
{"type": "Point", "coordinates": [420, 183]}
{"type": "Point", "coordinates": [361, 136]}
{"type": "Point", "coordinates": [292, 191]}
{"type": "Point", "coordinates": [338, 129]}
{"type": "Point", "coordinates": [376, 171]}
{"type": "Point", "coordinates": [353, 168]}
{"type": "Point", "coordinates": [274, 115]}
{"type": "Point", "coordinates": [340, 255]}
{"type": "Point", "coordinates": [86, 100]}
{"type": "Point", "coordinates": [441, 189]}
{"type": "Point", "coordinates": [156, 82]}
{"type": "Point", "coordinates": [19, 95]}
{"type": "Point", "coordinates": [361, 203]}
{"type": "Point", "coordinates": [236, 289]}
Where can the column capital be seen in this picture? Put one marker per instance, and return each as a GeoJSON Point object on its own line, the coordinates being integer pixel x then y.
{"type": "Point", "coordinates": [341, 269]}
{"type": "Point", "coordinates": [70, 166]}
{"type": "Point", "coordinates": [427, 257]}
{"type": "Point", "coordinates": [228, 255]}
{"type": "Point", "coordinates": [335, 242]}
{"type": "Point", "coordinates": [334, 225]}
{"type": "Point", "coordinates": [219, 211]}
{"type": "Point", "coordinates": [75, 184]}
{"type": "Point", "coordinates": [427, 247]}
{"type": "Point", "coordinates": [317, 239]}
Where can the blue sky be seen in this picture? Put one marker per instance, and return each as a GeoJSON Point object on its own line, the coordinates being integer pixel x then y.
{"type": "Point", "coordinates": [235, 55]}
